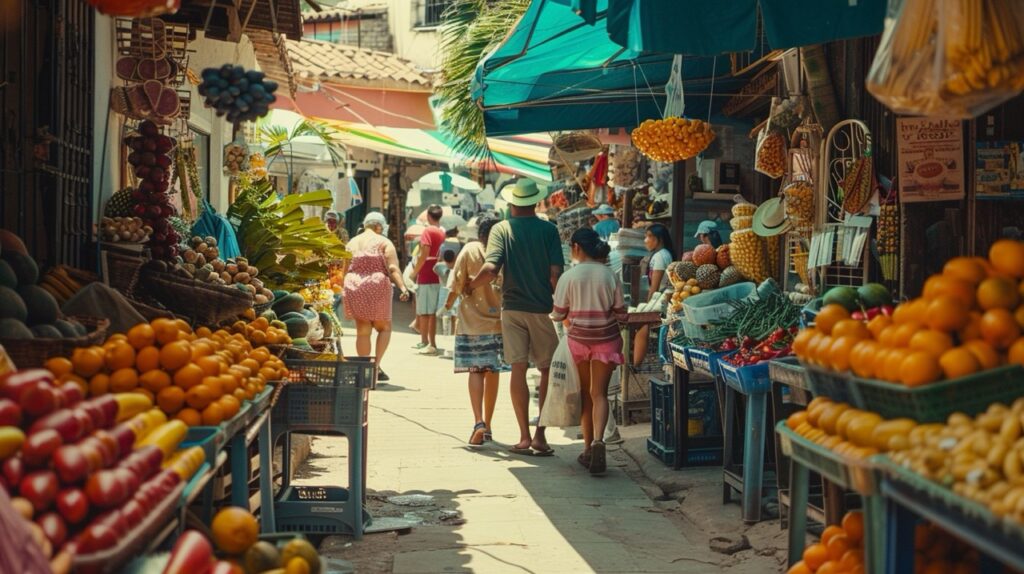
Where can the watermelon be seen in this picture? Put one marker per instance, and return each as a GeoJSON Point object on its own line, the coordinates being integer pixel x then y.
{"type": "Point", "coordinates": [845, 296]}
{"type": "Point", "coordinates": [874, 295]}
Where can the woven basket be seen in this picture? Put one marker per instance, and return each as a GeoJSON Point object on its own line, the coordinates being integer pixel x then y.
{"type": "Point", "coordinates": [574, 146]}
{"type": "Point", "coordinates": [28, 353]}
{"type": "Point", "coordinates": [122, 271]}
{"type": "Point", "coordinates": [149, 311]}
{"type": "Point", "coordinates": [202, 303]}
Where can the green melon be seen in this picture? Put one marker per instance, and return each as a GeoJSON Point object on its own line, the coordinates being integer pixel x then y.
{"type": "Point", "coordinates": [874, 295]}
{"type": "Point", "coordinates": [42, 307]}
{"type": "Point", "coordinates": [47, 332]}
{"type": "Point", "coordinates": [327, 324]}
{"type": "Point", "coordinates": [11, 305]}
{"type": "Point", "coordinates": [269, 315]}
{"type": "Point", "coordinates": [280, 293]}
{"type": "Point", "coordinates": [845, 296]}
{"type": "Point", "coordinates": [297, 327]}
{"type": "Point", "coordinates": [24, 267]}
{"type": "Point", "coordinates": [289, 303]}
{"type": "Point", "coordinates": [14, 329]}
{"type": "Point", "coordinates": [7, 276]}
{"type": "Point", "coordinates": [66, 328]}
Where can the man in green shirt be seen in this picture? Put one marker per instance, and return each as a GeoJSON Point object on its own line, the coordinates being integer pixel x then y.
{"type": "Point", "coordinates": [529, 252]}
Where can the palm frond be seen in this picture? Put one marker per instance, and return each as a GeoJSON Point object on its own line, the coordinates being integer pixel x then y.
{"type": "Point", "coordinates": [471, 29]}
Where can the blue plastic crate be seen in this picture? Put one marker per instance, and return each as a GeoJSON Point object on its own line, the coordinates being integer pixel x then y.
{"type": "Point", "coordinates": [679, 356]}
{"type": "Point", "coordinates": [704, 360]}
{"type": "Point", "coordinates": [327, 369]}
{"type": "Point", "coordinates": [711, 456]}
{"type": "Point", "coordinates": [210, 439]}
{"type": "Point", "coordinates": [748, 379]}
{"type": "Point", "coordinates": [316, 510]}
{"type": "Point", "coordinates": [325, 408]}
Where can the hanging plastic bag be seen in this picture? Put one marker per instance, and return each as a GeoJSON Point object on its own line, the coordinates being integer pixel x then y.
{"type": "Point", "coordinates": [211, 224]}
{"type": "Point", "coordinates": [563, 403]}
{"type": "Point", "coordinates": [236, 157]}
{"type": "Point", "coordinates": [949, 58]}
{"type": "Point", "coordinates": [770, 158]}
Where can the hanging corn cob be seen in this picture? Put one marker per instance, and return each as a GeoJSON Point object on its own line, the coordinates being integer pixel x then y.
{"type": "Point", "coordinates": [976, 46]}
{"type": "Point", "coordinates": [889, 235]}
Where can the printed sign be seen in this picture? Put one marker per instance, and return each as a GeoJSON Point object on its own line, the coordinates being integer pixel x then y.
{"type": "Point", "coordinates": [930, 156]}
{"type": "Point", "coordinates": [999, 170]}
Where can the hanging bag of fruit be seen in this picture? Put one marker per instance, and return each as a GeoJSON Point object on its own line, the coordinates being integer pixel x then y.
{"type": "Point", "coordinates": [674, 137]}
{"type": "Point", "coordinates": [770, 154]}
{"type": "Point", "coordinates": [949, 58]}
{"type": "Point", "coordinates": [236, 156]}
{"type": "Point", "coordinates": [860, 183]}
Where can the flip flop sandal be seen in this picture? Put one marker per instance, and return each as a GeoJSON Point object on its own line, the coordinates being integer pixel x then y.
{"type": "Point", "coordinates": [521, 451]}
{"type": "Point", "coordinates": [488, 437]}
{"type": "Point", "coordinates": [477, 428]}
{"type": "Point", "coordinates": [584, 459]}
{"type": "Point", "coordinates": [546, 452]}
{"type": "Point", "coordinates": [598, 462]}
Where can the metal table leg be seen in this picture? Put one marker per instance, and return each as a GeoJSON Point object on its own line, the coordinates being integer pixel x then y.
{"type": "Point", "coordinates": [728, 422]}
{"type": "Point", "coordinates": [799, 487]}
{"type": "Point", "coordinates": [268, 522]}
{"type": "Point", "coordinates": [680, 426]}
{"type": "Point", "coordinates": [239, 471]}
{"type": "Point", "coordinates": [753, 456]}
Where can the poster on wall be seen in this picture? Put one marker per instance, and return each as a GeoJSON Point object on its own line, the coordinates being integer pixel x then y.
{"type": "Point", "coordinates": [1000, 170]}
{"type": "Point", "coordinates": [930, 156]}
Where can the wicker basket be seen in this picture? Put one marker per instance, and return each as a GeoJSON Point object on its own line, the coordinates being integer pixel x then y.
{"type": "Point", "coordinates": [150, 311]}
{"type": "Point", "coordinates": [28, 353]}
{"type": "Point", "coordinates": [122, 271]}
{"type": "Point", "coordinates": [204, 304]}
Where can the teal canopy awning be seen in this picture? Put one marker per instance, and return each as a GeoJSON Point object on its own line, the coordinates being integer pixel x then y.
{"type": "Point", "coordinates": [709, 27]}
{"type": "Point", "coordinates": [557, 72]}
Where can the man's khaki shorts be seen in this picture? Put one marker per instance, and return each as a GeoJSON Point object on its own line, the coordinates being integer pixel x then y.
{"type": "Point", "coordinates": [528, 337]}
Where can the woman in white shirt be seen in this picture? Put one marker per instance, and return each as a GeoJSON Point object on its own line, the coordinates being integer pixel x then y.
{"type": "Point", "coordinates": [659, 243]}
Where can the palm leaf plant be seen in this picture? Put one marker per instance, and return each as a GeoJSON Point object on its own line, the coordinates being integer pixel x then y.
{"type": "Point", "coordinates": [470, 30]}
{"type": "Point", "coordinates": [278, 141]}
{"type": "Point", "coordinates": [274, 234]}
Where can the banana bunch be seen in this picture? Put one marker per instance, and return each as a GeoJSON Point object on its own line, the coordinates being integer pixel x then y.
{"type": "Point", "coordinates": [980, 43]}
{"type": "Point", "coordinates": [58, 283]}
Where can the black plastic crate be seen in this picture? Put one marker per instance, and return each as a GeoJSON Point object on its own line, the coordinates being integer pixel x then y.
{"type": "Point", "coordinates": [710, 456]}
{"type": "Point", "coordinates": [703, 412]}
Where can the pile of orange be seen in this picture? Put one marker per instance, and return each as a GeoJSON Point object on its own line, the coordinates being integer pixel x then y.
{"type": "Point", "coordinates": [259, 331]}
{"type": "Point", "coordinates": [841, 549]}
{"type": "Point", "coordinates": [969, 318]}
{"type": "Point", "coordinates": [200, 377]}
{"type": "Point", "coordinates": [853, 432]}
{"type": "Point", "coordinates": [936, 552]}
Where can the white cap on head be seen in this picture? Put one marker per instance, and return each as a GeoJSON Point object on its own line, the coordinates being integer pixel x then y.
{"type": "Point", "coordinates": [376, 218]}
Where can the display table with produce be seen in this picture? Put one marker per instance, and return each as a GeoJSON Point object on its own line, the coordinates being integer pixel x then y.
{"type": "Point", "coordinates": [920, 409]}
{"type": "Point", "coordinates": [740, 337]}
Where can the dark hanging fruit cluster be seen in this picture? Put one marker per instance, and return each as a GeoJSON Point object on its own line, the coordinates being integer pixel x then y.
{"type": "Point", "coordinates": [151, 160]}
{"type": "Point", "coordinates": [236, 93]}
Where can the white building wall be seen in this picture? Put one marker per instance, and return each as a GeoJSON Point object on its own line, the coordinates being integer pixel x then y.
{"type": "Point", "coordinates": [107, 142]}
{"type": "Point", "coordinates": [419, 45]}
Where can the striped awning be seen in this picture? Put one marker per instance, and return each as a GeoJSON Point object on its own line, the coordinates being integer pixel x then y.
{"type": "Point", "coordinates": [525, 155]}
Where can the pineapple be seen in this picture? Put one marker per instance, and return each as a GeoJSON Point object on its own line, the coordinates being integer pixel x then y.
{"type": "Point", "coordinates": [708, 276]}
{"type": "Point", "coordinates": [687, 270]}
{"type": "Point", "coordinates": [730, 276]}
{"type": "Point", "coordinates": [722, 256]}
{"type": "Point", "coordinates": [120, 204]}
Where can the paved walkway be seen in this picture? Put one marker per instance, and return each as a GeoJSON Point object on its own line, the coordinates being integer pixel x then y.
{"type": "Point", "coordinates": [521, 514]}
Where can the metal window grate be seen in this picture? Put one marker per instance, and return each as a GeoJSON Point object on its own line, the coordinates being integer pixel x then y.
{"type": "Point", "coordinates": [431, 12]}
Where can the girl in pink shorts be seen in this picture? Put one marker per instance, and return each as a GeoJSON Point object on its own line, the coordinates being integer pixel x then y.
{"type": "Point", "coordinates": [589, 299]}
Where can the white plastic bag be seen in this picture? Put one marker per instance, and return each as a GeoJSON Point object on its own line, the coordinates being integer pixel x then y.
{"type": "Point", "coordinates": [563, 403]}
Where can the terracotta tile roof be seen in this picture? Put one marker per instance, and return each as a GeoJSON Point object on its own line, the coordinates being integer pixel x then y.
{"type": "Point", "coordinates": [316, 61]}
{"type": "Point", "coordinates": [338, 14]}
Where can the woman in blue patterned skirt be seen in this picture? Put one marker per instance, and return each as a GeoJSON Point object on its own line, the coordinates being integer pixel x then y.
{"type": "Point", "coordinates": [478, 343]}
